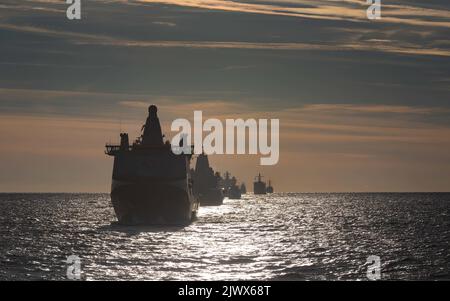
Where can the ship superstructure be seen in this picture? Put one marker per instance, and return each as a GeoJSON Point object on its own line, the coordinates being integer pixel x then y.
{"type": "Point", "coordinates": [206, 183]}
{"type": "Point", "coordinates": [150, 184]}
{"type": "Point", "coordinates": [230, 188]}
{"type": "Point", "coordinates": [259, 187]}
{"type": "Point", "coordinates": [269, 188]}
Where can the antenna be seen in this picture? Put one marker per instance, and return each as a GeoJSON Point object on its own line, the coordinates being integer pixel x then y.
{"type": "Point", "coordinates": [120, 120]}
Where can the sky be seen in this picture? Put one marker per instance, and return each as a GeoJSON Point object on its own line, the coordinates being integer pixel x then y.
{"type": "Point", "coordinates": [364, 105]}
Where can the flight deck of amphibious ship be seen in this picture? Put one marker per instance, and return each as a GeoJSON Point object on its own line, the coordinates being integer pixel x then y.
{"type": "Point", "coordinates": [150, 184]}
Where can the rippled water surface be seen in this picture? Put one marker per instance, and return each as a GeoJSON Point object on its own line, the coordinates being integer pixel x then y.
{"type": "Point", "coordinates": [278, 237]}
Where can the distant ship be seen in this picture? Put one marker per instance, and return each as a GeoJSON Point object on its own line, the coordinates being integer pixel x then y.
{"type": "Point", "coordinates": [243, 188]}
{"type": "Point", "coordinates": [234, 192]}
{"type": "Point", "coordinates": [230, 188]}
{"type": "Point", "coordinates": [269, 188]}
{"type": "Point", "coordinates": [259, 187]}
{"type": "Point", "coordinates": [206, 183]}
{"type": "Point", "coordinates": [150, 184]}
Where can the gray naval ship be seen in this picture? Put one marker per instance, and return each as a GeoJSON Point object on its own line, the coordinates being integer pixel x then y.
{"type": "Point", "coordinates": [206, 183]}
{"type": "Point", "coordinates": [259, 187]}
{"type": "Point", "coordinates": [269, 188]}
{"type": "Point", "coordinates": [150, 184]}
{"type": "Point", "coordinates": [243, 188]}
{"type": "Point", "coordinates": [230, 188]}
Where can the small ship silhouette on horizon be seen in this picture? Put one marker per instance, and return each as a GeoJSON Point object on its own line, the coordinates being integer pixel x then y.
{"type": "Point", "coordinates": [230, 188]}
{"type": "Point", "coordinates": [260, 187]}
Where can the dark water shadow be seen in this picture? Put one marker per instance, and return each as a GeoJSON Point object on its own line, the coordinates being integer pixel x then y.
{"type": "Point", "coordinates": [137, 229]}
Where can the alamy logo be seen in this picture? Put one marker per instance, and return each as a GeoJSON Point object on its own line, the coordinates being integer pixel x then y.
{"type": "Point", "coordinates": [74, 10]}
{"type": "Point", "coordinates": [374, 10]}
{"type": "Point", "coordinates": [73, 268]}
{"type": "Point", "coordinates": [374, 267]}
{"type": "Point", "coordinates": [213, 143]}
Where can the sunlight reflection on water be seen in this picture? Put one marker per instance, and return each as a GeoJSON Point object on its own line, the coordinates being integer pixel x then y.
{"type": "Point", "coordinates": [280, 236]}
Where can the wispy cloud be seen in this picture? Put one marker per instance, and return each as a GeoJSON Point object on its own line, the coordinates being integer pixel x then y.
{"type": "Point", "coordinates": [325, 10]}
{"type": "Point", "coordinates": [370, 36]}
{"type": "Point", "coordinates": [368, 46]}
{"type": "Point", "coordinates": [316, 147]}
{"type": "Point", "coordinates": [374, 109]}
{"type": "Point", "coordinates": [163, 23]}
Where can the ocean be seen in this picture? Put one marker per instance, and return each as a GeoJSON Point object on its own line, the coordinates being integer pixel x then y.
{"type": "Point", "coordinates": [282, 236]}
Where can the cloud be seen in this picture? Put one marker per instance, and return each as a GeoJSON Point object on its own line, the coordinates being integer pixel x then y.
{"type": "Point", "coordinates": [318, 66]}
{"type": "Point", "coordinates": [236, 67]}
{"type": "Point", "coordinates": [372, 36]}
{"type": "Point", "coordinates": [173, 109]}
{"type": "Point", "coordinates": [318, 149]}
{"type": "Point", "coordinates": [373, 45]}
{"type": "Point", "coordinates": [374, 109]}
{"type": "Point", "coordinates": [326, 10]}
{"type": "Point", "coordinates": [169, 24]}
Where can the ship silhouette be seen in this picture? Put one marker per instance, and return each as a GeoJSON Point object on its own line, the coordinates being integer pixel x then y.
{"type": "Point", "coordinates": [206, 183]}
{"type": "Point", "coordinates": [259, 187]}
{"type": "Point", "coordinates": [243, 188]}
{"type": "Point", "coordinates": [150, 184]}
{"type": "Point", "coordinates": [230, 188]}
{"type": "Point", "coordinates": [269, 188]}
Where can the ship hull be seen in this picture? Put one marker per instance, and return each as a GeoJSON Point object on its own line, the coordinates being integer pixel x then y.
{"type": "Point", "coordinates": [234, 193]}
{"type": "Point", "coordinates": [163, 203]}
{"type": "Point", "coordinates": [211, 197]}
{"type": "Point", "coordinates": [259, 188]}
{"type": "Point", "coordinates": [234, 196]}
{"type": "Point", "coordinates": [152, 187]}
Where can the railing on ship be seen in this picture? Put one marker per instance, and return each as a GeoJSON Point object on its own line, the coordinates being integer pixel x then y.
{"type": "Point", "coordinates": [112, 149]}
